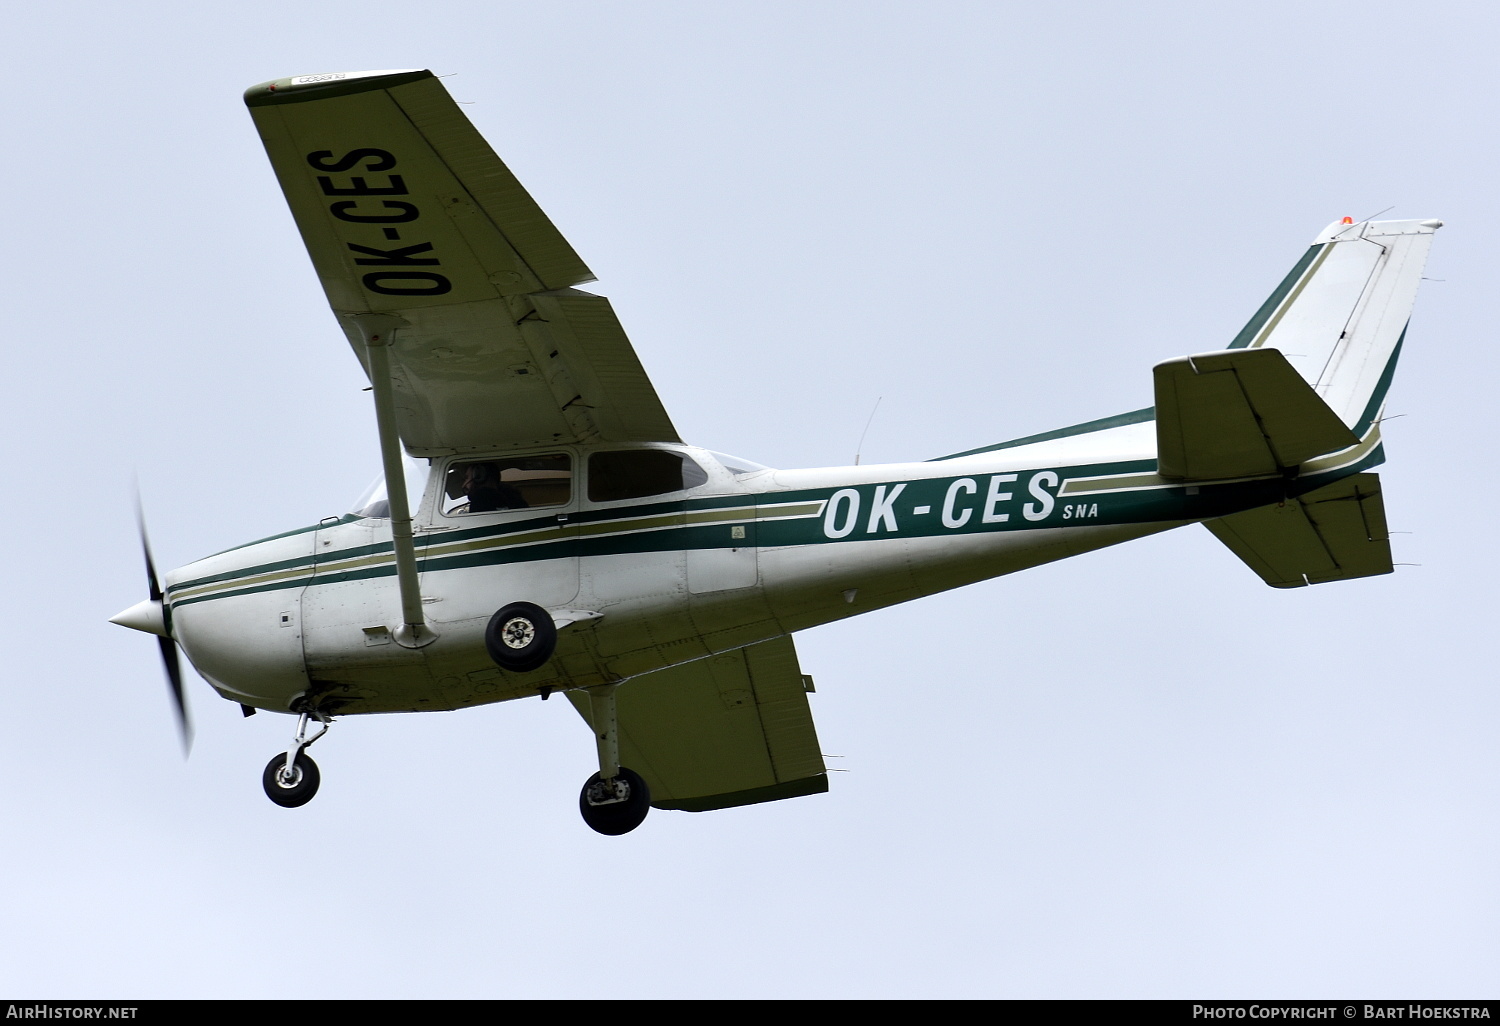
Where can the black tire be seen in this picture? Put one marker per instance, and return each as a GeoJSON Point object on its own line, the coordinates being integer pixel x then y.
{"type": "Point", "coordinates": [520, 637]}
{"type": "Point", "coordinates": [617, 817]}
{"type": "Point", "coordinates": [300, 791]}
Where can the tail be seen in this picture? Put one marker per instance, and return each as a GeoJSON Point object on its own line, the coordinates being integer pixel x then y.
{"type": "Point", "coordinates": [1339, 317]}
{"type": "Point", "coordinates": [1299, 392]}
{"type": "Point", "coordinates": [1336, 321]}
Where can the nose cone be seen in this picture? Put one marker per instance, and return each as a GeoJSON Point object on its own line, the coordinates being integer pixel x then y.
{"type": "Point", "coordinates": [143, 616]}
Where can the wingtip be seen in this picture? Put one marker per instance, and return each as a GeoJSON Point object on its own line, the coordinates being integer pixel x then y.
{"type": "Point", "coordinates": [300, 88]}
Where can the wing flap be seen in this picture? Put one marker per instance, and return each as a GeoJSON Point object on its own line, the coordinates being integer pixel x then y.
{"type": "Point", "coordinates": [598, 361]}
{"type": "Point", "coordinates": [1239, 413]}
{"type": "Point", "coordinates": [733, 729]}
{"type": "Point", "coordinates": [1333, 534]}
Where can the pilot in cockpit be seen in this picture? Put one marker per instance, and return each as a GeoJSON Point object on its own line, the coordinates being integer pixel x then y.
{"type": "Point", "coordinates": [487, 493]}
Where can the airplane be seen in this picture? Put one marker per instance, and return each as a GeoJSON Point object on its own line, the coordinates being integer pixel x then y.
{"type": "Point", "coordinates": [540, 527]}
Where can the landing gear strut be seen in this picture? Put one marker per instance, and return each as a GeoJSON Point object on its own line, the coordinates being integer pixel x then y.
{"type": "Point", "coordinates": [615, 800]}
{"type": "Point", "coordinates": [292, 779]}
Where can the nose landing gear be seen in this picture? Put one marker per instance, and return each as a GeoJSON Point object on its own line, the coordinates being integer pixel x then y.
{"type": "Point", "coordinates": [292, 779]}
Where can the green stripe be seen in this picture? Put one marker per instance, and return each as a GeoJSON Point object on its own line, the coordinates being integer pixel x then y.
{"type": "Point", "coordinates": [1131, 494]}
{"type": "Point", "coordinates": [1103, 424]}
{"type": "Point", "coordinates": [489, 531]}
{"type": "Point", "coordinates": [1252, 328]}
{"type": "Point", "coordinates": [1377, 397]}
{"type": "Point", "coordinates": [441, 553]}
{"type": "Point", "coordinates": [347, 518]}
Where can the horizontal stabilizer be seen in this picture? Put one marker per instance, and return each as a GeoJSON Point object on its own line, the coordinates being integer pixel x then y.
{"type": "Point", "coordinates": [1333, 534]}
{"type": "Point", "coordinates": [1239, 413]}
{"type": "Point", "coordinates": [733, 729]}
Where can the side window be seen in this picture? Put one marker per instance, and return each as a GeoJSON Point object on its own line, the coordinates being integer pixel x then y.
{"type": "Point", "coordinates": [526, 482]}
{"type": "Point", "coordinates": [637, 473]}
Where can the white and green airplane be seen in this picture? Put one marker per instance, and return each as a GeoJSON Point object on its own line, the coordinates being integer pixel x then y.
{"type": "Point", "coordinates": [540, 527]}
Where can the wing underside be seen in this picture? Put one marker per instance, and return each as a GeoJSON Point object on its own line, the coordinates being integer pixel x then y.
{"type": "Point", "coordinates": [733, 729]}
{"type": "Point", "coordinates": [408, 215]}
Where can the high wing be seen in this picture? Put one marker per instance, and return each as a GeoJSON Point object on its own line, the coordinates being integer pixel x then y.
{"type": "Point", "coordinates": [733, 729]}
{"type": "Point", "coordinates": [414, 224]}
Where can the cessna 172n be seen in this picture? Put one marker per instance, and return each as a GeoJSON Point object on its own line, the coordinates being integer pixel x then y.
{"type": "Point", "coordinates": [541, 528]}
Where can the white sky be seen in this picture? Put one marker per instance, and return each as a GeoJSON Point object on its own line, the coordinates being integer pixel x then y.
{"type": "Point", "coordinates": [1137, 773]}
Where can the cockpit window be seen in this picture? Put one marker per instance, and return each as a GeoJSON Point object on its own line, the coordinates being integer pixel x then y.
{"type": "Point", "coordinates": [375, 503]}
{"type": "Point", "coordinates": [637, 473]}
{"type": "Point", "coordinates": [489, 486]}
{"type": "Point", "coordinates": [738, 465]}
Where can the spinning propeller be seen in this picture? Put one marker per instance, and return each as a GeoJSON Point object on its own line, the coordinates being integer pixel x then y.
{"type": "Point", "coordinates": [151, 617]}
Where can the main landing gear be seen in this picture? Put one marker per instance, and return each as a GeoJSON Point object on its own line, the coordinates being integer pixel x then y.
{"type": "Point", "coordinates": [292, 779]}
{"type": "Point", "coordinates": [615, 800]}
{"type": "Point", "coordinates": [520, 637]}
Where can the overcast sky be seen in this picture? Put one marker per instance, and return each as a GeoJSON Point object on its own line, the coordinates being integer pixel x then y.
{"type": "Point", "coordinates": [1136, 773]}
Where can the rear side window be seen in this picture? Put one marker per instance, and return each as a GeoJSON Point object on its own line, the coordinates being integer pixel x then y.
{"type": "Point", "coordinates": [637, 473]}
{"type": "Point", "coordinates": [489, 486]}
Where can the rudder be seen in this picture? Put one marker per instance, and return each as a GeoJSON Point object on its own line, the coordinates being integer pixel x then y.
{"type": "Point", "coordinates": [1340, 315]}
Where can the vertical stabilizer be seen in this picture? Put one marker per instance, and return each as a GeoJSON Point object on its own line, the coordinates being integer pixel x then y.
{"type": "Point", "coordinates": [1341, 313]}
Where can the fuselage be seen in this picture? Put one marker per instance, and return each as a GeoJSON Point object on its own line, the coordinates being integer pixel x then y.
{"type": "Point", "coordinates": [305, 619]}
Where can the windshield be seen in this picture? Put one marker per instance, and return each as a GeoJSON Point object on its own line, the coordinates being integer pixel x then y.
{"type": "Point", "coordinates": [374, 502]}
{"type": "Point", "coordinates": [737, 465]}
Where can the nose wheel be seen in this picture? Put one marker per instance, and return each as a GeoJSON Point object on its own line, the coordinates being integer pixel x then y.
{"type": "Point", "coordinates": [292, 779]}
{"type": "Point", "coordinates": [294, 787]}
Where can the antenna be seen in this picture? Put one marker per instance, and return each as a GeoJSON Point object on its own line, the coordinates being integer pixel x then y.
{"type": "Point", "coordinates": [861, 446]}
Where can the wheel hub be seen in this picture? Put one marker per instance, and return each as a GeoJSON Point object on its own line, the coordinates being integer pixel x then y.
{"type": "Point", "coordinates": [608, 792]}
{"type": "Point", "coordinates": [518, 632]}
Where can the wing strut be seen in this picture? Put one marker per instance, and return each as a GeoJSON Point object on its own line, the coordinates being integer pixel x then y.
{"type": "Point", "coordinates": [378, 331]}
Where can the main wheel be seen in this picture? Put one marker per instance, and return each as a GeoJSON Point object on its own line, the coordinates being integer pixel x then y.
{"type": "Point", "coordinates": [606, 810]}
{"type": "Point", "coordinates": [291, 792]}
{"type": "Point", "coordinates": [521, 637]}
